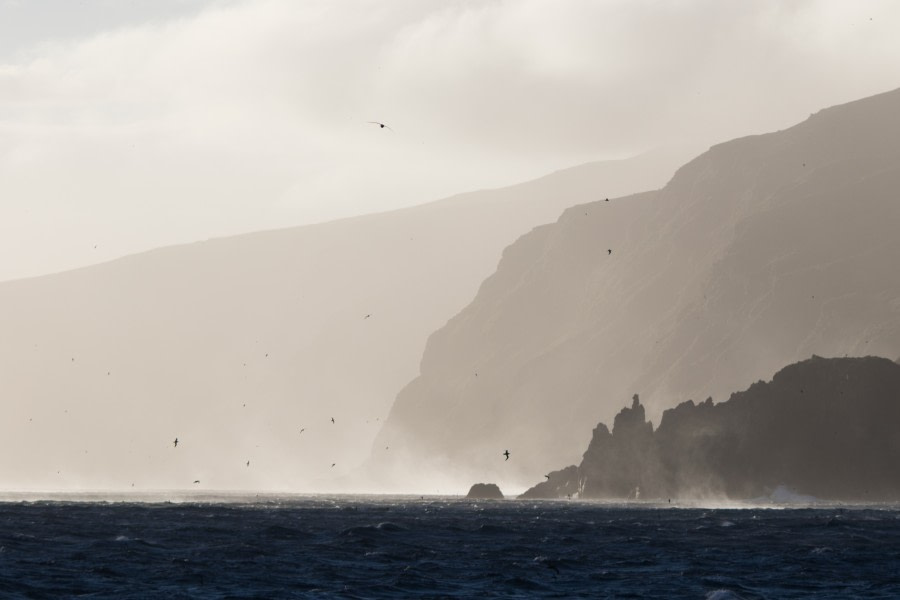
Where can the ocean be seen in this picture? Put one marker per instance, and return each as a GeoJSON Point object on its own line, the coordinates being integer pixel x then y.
{"type": "Point", "coordinates": [438, 547]}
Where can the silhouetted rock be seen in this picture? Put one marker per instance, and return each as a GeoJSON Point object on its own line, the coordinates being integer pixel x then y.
{"type": "Point", "coordinates": [485, 491]}
{"type": "Point", "coordinates": [825, 428]}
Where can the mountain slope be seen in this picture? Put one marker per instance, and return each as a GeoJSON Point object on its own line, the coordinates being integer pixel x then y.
{"type": "Point", "coordinates": [234, 345]}
{"type": "Point", "coordinates": [757, 253]}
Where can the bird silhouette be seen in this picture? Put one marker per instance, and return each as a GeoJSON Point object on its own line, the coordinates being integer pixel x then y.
{"type": "Point", "coordinates": [366, 317]}
{"type": "Point", "coordinates": [302, 429]}
{"type": "Point", "coordinates": [332, 464]}
{"type": "Point", "coordinates": [506, 454]}
{"type": "Point", "coordinates": [380, 124]}
{"type": "Point", "coordinates": [332, 419]}
{"type": "Point", "coordinates": [175, 442]}
{"type": "Point", "coordinates": [196, 481]}
{"type": "Point", "coordinates": [248, 463]}
{"type": "Point", "coordinates": [548, 477]}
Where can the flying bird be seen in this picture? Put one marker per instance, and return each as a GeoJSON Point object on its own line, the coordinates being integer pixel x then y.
{"type": "Point", "coordinates": [548, 477]}
{"type": "Point", "coordinates": [332, 464]}
{"type": "Point", "coordinates": [175, 442]}
{"type": "Point", "coordinates": [302, 429]}
{"type": "Point", "coordinates": [248, 463]}
{"type": "Point", "coordinates": [332, 420]}
{"type": "Point", "coordinates": [609, 251]}
{"type": "Point", "coordinates": [506, 454]}
{"type": "Point", "coordinates": [196, 481]}
{"type": "Point", "coordinates": [380, 124]}
{"type": "Point", "coordinates": [366, 317]}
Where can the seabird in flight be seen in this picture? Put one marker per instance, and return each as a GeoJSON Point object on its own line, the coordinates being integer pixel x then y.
{"type": "Point", "coordinates": [302, 429]}
{"type": "Point", "coordinates": [506, 454]}
{"type": "Point", "coordinates": [332, 464]}
{"type": "Point", "coordinates": [547, 476]}
{"type": "Point", "coordinates": [196, 481]}
{"type": "Point", "coordinates": [381, 125]}
{"type": "Point", "coordinates": [609, 251]}
{"type": "Point", "coordinates": [248, 463]}
{"type": "Point", "coordinates": [175, 442]}
{"type": "Point", "coordinates": [366, 317]}
{"type": "Point", "coordinates": [332, 420]}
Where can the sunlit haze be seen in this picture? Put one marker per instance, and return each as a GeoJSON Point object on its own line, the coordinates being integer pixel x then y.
{"type": "Point", "coordinates": [130, 126]}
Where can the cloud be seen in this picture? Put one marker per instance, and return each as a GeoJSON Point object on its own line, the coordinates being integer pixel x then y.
{"type": "Point", "coordinates": [243, 115]}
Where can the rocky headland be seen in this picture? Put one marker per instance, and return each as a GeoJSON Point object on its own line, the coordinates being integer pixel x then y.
{"type": "Point", "coordinates": [825, 428]}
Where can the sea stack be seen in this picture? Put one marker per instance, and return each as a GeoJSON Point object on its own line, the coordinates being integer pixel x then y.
{"type": "Point", "coordinates": [485, 491]}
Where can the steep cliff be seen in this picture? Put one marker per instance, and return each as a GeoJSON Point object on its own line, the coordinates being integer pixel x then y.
{"type": "Point", "coordinates": [759, 252]}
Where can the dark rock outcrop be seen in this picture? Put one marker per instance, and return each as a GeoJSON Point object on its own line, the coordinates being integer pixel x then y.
{"type": "Point", "coordinates": [560, 484]}
{"type": "Point", "coordinates": [485, 491]}
{"type": "Point", "coordinates": [826, 428]}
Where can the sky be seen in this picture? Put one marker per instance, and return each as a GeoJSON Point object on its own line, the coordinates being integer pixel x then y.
{"type": "Point", "coordinates": [126, 126]}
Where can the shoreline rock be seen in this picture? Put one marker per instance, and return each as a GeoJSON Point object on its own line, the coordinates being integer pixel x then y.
{"type": "Point", "coordinates": [485, 491]}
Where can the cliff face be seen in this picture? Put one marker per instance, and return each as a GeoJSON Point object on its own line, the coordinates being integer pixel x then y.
{"type": "Point", "coordinates": [825, 428]}
{"type": "Point", "coordinates": [760, 252]}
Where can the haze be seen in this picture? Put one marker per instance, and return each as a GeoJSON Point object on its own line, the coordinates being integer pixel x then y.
{"type": "Point", "coordinates": [129, 126]}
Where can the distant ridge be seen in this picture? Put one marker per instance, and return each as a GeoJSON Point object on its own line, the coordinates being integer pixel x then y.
{"type": "Point", "coordinates": [237, 344]}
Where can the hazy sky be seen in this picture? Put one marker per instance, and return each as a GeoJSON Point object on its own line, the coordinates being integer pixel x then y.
{"type": "Point", "coordinates": [130, 125]}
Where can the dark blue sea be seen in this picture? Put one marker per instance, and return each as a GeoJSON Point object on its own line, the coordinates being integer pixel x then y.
{"type": "Point", "coordinates": [400, 547]}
